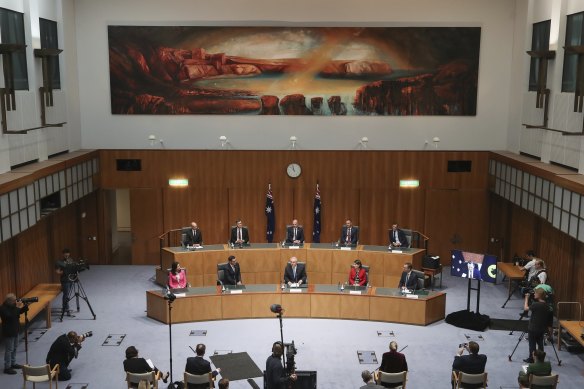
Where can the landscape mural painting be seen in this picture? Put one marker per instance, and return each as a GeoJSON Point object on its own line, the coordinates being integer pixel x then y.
{"type": "Point", "coordinates": [381, 71]}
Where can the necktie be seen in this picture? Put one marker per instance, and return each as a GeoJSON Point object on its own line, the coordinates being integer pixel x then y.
{"type": "Point", "coordinates": [239, 234]}
{"type": "Point", "coordinates": [294, 271]}
{"type": "Point", "coordinates": [395, 236]}
{"type": "Point", "coordinates": [294, 239]}
{"type": "Point", "coordinates": [348, 234]}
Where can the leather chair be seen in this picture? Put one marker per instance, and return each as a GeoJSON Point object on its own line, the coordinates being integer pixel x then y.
{"type": "Point", "coordinates": [42, 373]}
{"type": "Point", "coordinates": [221, 273]}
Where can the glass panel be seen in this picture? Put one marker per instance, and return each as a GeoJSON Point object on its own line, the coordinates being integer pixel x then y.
{"type": "Point", "coordinates": [492, 167]}
{"type": "Point", "coordinates": [50, 185]}
{"type": "Point", "coordinates": [508, 174]}
{"type": "Point", "coordinates": [74, 174]}
{"type": "Point", "coordinates": [69, 176]}
{"type": "Point", "coordinates": [32, 215]}
{"type": "Point", "coordinates": [531, 202]}
{"type": "Point", "coordinates": [30, 194]}
{"type": "Point", "coordinates": [69, 195]}
{"type": "Point", "coordinates": [524, 199]}
{"type": "Point", "coordinates": [4, 209]}
{"type": "Point", "coordinates": [498, 186]}
{"type": "Point", "coordinates": [558, 197]}
{"type": "Point", "coordinates": [56, 185]}
{"type": "Point", "coordinates": [95, 166]}
{"type": "Point", "coordinates": [13, 202]}
{"type": "Point", "coordinates": [42, 188]}
{"type": "Point", "coordinates": [22, 197]}
{"type": "Point", "coordinates": [546, 190]}
{"type": "Point", "coordinates": [573, 228]}
{"type": "Point", "coordinates": [575, 206]}
{"type": "Point", "coordinates": [544, 210]}
{"type": "Point", "coordinates": [62, 182]}
{"type": "Point", "coordinates": [532, 184]}
{"type": "Point", "coordinates": [75, 193]}
{"type": "Point", "coordinates": [23, 219]}
{"type": "Point", "coordinates": [6, 233]}
{"type": "Point", "coordinates": [565, 222]}
{"type": "Point", "coordinates": [525, 181]}
{"type": "Point", "coordinates": [12, 31]}
{"type": "Point", "coordinates": [499, 164]}
{"type": "Point", "coordinates": [90, 185]}
{"type": "Point", "coordinates": [538, 182]}
{"type": "Point", "coordinates": [537, 206]}
{"type": "Point", "coordinates": [50, 40]}
{"type": "Point", "coordinates": [507, 190]}
{"type": "Point", "coordinates": [64, 199]}
{"type": "Point", "coordinates": [566, 200]}
{"type": "Point", "coordinates": [14, 222]}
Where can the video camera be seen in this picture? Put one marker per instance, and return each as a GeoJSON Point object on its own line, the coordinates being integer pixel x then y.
{"type": "Point", "coordinates": [73, 268]}
{"type": "Point", "coordinates": [291, 351]}
{"type": "Point", "coordinates": [28, 300]}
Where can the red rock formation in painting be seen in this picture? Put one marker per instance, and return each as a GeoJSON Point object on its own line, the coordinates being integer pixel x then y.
{"type": "Point", "coordinates": [336, 106]}
{"type": "Point", "coordinates": [270, 105]}
{"type": "Point", "coordinates": [294, 105]}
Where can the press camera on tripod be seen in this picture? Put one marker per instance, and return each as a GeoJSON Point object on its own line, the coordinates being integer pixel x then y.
{"type": "Point", "coordinates": [73, 268]}
{"type": "Point", "coordinates": [290, 350]}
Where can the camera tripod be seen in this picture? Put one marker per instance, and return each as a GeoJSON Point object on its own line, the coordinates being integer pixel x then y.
{"type": "Point", "coordinates": [76, 291]}
{"type": "Point", "coordinates": [521, 317]}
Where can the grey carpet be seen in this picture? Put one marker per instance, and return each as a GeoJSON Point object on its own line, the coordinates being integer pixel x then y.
{"type": "Point", "coordinates": [117, 295]}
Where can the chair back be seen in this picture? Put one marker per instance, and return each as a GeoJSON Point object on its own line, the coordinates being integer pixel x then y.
{"type": "Point", "coordinates": [543, 381]}
{"type": "Point", "coordinates": [366, 268]}
{"type": "Point", "coordinates": [136, 378]}
{"type": "Point", "coordinates": [221, 273]}
{"type": "Point", "coordinates": [183, 235]}
{"type": "Point", "coordinates": [198, 379]}
{"type": "Point", "coordinates": [408, 234]}
{"type": "Point", "coordinates": [421, 279]}
{"type": "Point", "coordinates": [473, 379]}
{"type": "Point", "coordinates": [42, 373]}
{"type": "Point", "coordinates": [393, 378]}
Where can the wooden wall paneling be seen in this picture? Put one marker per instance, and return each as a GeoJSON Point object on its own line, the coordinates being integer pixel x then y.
{"type": "Point", "coordinates": [303, 210]}
{"type": "Point", "coordinates": [31, 253]}
{"type": "Point", "coordinates": [377, 208]}
{"type": "Point", "coordinates": [499, 222]}
{"type": "Point", "coordinates": [284, 205]}
{"type": "Point", "coordinates": [410, 209]}
{"type": "Point", "coordinates": [436, 173]}
{"type": "Point", "coordinates": [7, 268]}
{"type": "Point", "coordinates": [440, 224]}
{"type": "Point", "coordinates": [63, 227]}
{"type": "Point", "coordinates": [210, 211]}
{"type": "Point", "coordinates": [88, 217]}
{"type": "Point", "coordinates": [577, 279]}
{"type": "Point", "coordinates": [472, 220]}
{"type": "Point", "coordinates": [522, 232]}
{"type": "Point", "coordinates": [339, 204]}
{"type": "Point", "coordinates": [104, 226]}
{"type": "Point", "coordinates": [147, 224]}
{"type": "Point", "coordinates": [178, 206]}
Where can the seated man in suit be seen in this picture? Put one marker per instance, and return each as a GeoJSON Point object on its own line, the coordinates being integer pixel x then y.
{"type": "Point", "coordinates": [295, 234]}
{"type": "Point", "coordinates": [198, 365]}
{"type": "Point", "coordinates": [473, 363]}
{"type": "Point", "coordinates": [408, 279]}
{"type": "Point", "coordinates": [239, 234]}
{"type": "Point", "coordinates": [397, 238]}
{"type": "Point", "coordinates": [357, 275]}
{"type": "Point", "coordinates": [349, 234]}
{"type": "Point", "coordinates": [136, 365]}
{"type": "Point", "coordinates": [393, 362]}
{"type": "Point", "coordinates": [294, 273]}
{"type": "Point", "coordinates": [232, 271]}
{"type": "Point", "coordinates": [194, 236]}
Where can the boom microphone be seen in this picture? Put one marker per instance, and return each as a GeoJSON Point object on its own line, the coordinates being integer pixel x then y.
{"type": "Point", "coordinates": [276, 308]}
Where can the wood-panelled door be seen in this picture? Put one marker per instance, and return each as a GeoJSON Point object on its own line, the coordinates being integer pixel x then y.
{"type": "Point", "coordinates": [147, 225]}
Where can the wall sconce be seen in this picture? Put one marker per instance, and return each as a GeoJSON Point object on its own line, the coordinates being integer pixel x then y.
{"type": "Point", "coordinates": [152, 139]}
{"type": "Point", "coordinates": [224, 141]}
{"type": "Point", "coordinates": [363, 142]}
{"type": "Point", "coordinates": [293, 140]}
{"type": "Point", "coordinates": [436, 140]}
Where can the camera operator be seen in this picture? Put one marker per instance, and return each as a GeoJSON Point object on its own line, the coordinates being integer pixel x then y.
{"type": "Point", "coordinates": [63, 268]}
{"type": "Point", "coordinates": [10, 312]}
{"type": "Point", "coordinates": [63, 350]}
{"type": "Point", "coordinates": [538, 322]}
{"type": "Point", "coordinates": [473, 363]}
{"type": "Point", "coordinates": [276, 377]}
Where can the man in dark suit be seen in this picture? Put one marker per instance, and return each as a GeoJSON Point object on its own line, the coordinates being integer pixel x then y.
{"type": "Point", "coordinates": [473, 363]}
{"type": "Point", "coordinates": [397, 238]}
{"type": "Point", "coordinates": [232, 271]}
{"type": "Point", "coordinates": [239, 234]}
{"type": "Point", "coordinates": [295, 234]}
{"type": "Point", "coordinates": [198, 365]}
{"type": "Point", "coordinates": [62, 352]}
{"type": "Point", "coordinates": [194, 236]}
{"type": "Point", "coordinates": [408, 279]}
{"type": "Point", "coordinates": [276, 377]}
{"type": "Point", "coordinates": [349, 234]}
{"type": "Point", "coordinates": [393, 362]}
{"type": "Point", "coordinates": [294, 273]}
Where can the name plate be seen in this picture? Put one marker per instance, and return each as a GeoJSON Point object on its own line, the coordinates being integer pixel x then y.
{"type": "Point", "coordinates": [295, 290]}
{"type": "Point", "coordinates": [180, 295]}
{"type": "Point", "coordinates": [346, 248]}
{"type": "Point", "coordinates": [236, 291]}
{"type": "Point", "coordinates": [293, 247]}
{"type": "Point", "coordinates": [412, 296]}
{"type": "Point", "coordinates": [354, 292]}
{"type": "Point", "coordinates": [397, 251]}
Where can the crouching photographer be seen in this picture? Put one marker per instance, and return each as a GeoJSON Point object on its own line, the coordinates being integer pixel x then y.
{"type": "Point", "coordinates": [63, 350]}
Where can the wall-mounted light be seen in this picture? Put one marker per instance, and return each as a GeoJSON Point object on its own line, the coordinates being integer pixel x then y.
{"type": "Point", "coordinates": [436, 140]}
{"type": "Point", "coordinates": [152, 139]}
{"type": "Point", "coordinates": [363, 142]}
{"type": "Point", "coordinates": [293, 140]}
{"type": "Point", "coordinates": [178, 182]}
{"type": "Point", "coordinates": [409, 183]}
{"type": "Point", "coordinates": [224, 141]}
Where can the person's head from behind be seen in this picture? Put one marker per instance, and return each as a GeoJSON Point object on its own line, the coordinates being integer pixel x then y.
{"type": "Point", "coordinates": [530, 254]}
{"type": "Point", "coordinates": [393, 346]}
{"type": "Point", "coordinates": [10, 299]}
{"type": "Point", "coordinates": [293, 262]}
{"type": "Point", "coordinates": [277, 349]}
{"type": "Point", "coordinates": [73, 337]}
{"type": "Point", "coordinates": [473, 347]}
{"type": "Point", "coordinates": [200, 349]}
{"type": "Point", "coordinates": [66, 253]}
{"type": "Point", "coordinates": [539, 264]}
{"type": "Point", "coordinates": [175, 267]}
{"type": "Point", "coordinates": [357, 264]}
{"type": "Point", "coordinates": [539, 355]}
{"type": "Point", "coordinates": [366, 375]}
{"type": "Point", "coordinates": [223, 383]}
{"type": "Point", "coordinates": [131, 352]}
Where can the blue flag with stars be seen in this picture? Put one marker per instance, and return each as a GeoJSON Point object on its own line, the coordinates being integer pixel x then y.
{"type": "Point", "coordinates": [317, 212]}
{"type": "Point", "coordinates": [270, 215]}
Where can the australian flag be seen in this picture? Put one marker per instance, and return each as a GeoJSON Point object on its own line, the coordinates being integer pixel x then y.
{"type": "Point", "coordinates": [270, 215]}
{"type": "Point", "coordinates": [316, 214]}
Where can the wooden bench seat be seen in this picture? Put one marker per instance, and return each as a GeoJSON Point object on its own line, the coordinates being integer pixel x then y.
{"type": "Point", "coordinates": [46, 294]}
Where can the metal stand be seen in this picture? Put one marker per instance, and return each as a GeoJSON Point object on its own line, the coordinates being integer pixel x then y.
{"type": "Point", "coordinates": [511, 294]}
{"type": "Point", "coordinates": [26, 322]}
{"type": "Point", "coordinates": [170, 298]}
{"type": "Point", "coordinates": [78, 292]}
{"type": "Point", "coordinates": [521, 316]}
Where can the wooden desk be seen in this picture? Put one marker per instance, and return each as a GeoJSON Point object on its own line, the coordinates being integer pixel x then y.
{"type": "Point", "coordinates": [512, 272]}
{"type": "Point", "coordinates": [46, 294]}
{"type": "Point", "coordinates": [574, 328]}
{"type": "Point", "coordinates": [316, 301]}
{"type": "Point", "coordinates": [265, 263]}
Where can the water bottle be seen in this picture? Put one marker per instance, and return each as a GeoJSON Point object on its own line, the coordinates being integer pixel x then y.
{"type": "Point", "coordinates": [283, 286]}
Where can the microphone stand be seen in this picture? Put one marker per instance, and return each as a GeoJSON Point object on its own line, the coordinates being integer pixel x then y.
{"type": "Point", "coordinates": [279, 315]}
{"type": "Point", "coordinates": [170, 297]}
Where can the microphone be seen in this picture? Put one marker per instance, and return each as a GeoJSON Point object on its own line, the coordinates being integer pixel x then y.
{"type": "Point", "coordinates": [276, 308]}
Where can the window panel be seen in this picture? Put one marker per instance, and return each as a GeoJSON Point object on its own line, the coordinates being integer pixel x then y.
{"type": "Point", "coordinates": [574, 33]}
{"type": "Point", "coordinates": [573, 228]}
{"type": "Point", "coordinates": [69, 176]}
{"type": "Point", "coordinates": [566, 200]}
{"type": "Point", "coordinates": [4, 206]}
{"type": "Point", "coordinates": [13, 202]}
{"type": "Point", "coordinates": [50, 40]}
{"type": "Point", "coordinates": [6, 231]}
{"type": "Point", "coordinates": [540, 38]}
{"type": "Point", "coordinates": [526, 181]}
{"type": "Point", "coordinates": [558, 197]}
{"type": "Point", "coordinates": [524, 199]}
{"type": "Point", "coordinates": [30, 195]}
{"type": "Point", "coordinates": [492, 167]}
{"type": "Point", "coordinates": [49, 185]}
{"type": "Point", "coordinates": [22, 197]}
{"type": "Point", "coordinates": [89, 185]}
{"type": "Point", "coordinates": [575, 205]}
{"type": "Point", "coordinates": [62, 182]}
{"type": "Point", "coordinates": [12, 31]}
{"type": "Point", "coordinates": [544, 210]}
{"type": "Point", "coordinates": [32, 215]}
{"type": "Point", "coordinates": [546, 190]}
{"type": "Point", "coordinates": [14, 223]}
{"type": "Point", "coordinates": [538, 185]}
{"type": "Point", "coordinates": [531, 202]}
{"type": "Point", "coordinates": [556, 217]}
{"type": "Point", "coordinates": [23, 219]}
{"type": "Point", "coordinates": [565, 222]}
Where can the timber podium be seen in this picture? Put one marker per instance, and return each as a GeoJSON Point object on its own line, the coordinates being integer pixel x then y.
{"type": "Point", "coordinates": [317, 301]}
{"type": "Point", "coordinates": [264, 263]}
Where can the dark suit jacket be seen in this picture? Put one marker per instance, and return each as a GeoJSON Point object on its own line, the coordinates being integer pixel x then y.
{"type": "Point", "coordinates": [197, 365]}
{"type": "Point", "coordinates": [244, 235]}
{"type": "Point", "coordinates": [362, 276]}
{"type": "Point", "coordinates": [232, 277]}
{"type": "Point", "coordinates": [290, 234]}
{"type": "Point", "coordinates": [412, 283]}
{"type": "Point", "coordinates": [393, 362]}
{"type": "Point", "coordinates": [300, 274]}
{"type": "Point", "coordinates": [353, 238]}
{"type": "Point", "coordinates": [402, 238]}
{"type": "Point", "coordinates": [61, 352]}
{"type": "Point", "coordinates": [470, 364]}
{"type": "Point", "coordinates": [193, 237]}
{"type": "Point", "coordinates": [136, 365]}
{"type": "Point", "coordinates": [275, 375]}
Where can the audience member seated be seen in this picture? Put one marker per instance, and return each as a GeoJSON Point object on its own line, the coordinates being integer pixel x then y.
{"type": "Point", "coordinates": [295, 234]}
{"type": "Point", "coordinates": [397, 238]}
{"type": "Point", "coordinates": [232, 271]}
{"type": "Point", "coordinates": [198, 365]}
{"type": "Point", "coordinates": [529, 267]}
{"type": "Point", "coordinates": [539, 277]}
{"type": "Point", "coordinates": [369, 381]}
{"type": "Point", "coordinates": [408, 279]}
{"type": "Point", "coordinates": [136, 365]}
{"type": "Point", "coordinates": [473, 363]}
{"type": "Point", "coordinates": [349, 234]}
{"type": "Point", "coordinates": [357, 275]}
{"type": "Point", "coordinates": [194, 236]}
{"type": "Point", "coordinates": [224, 383]}
{"type": "Point", "coordinates": [239, 234]}
{"type": "Point", "coordinates": [539, 367]}
{"type": "Point", "coordinates": [294, 273]}
{"type": "Point", "coordinates": [177, 277]}
{"type": "Point", "coordinates": [393, 362]}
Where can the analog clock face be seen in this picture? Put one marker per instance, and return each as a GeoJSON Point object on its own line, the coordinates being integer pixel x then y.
{"type": "Point", "coordinates": [294, 170]}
